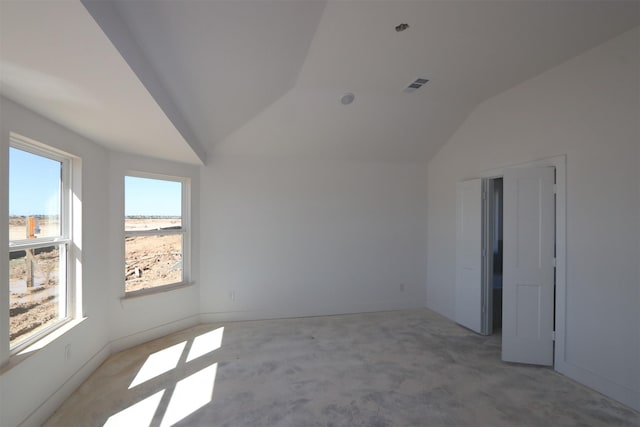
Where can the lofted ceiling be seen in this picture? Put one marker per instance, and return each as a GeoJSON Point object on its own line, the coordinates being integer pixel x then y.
{"type": "Point", "coordinates": [222, 61]}
{"type": "Point", "coordinates": [56, 61]}
{"type": "Point", "coordinates": [265, 77]}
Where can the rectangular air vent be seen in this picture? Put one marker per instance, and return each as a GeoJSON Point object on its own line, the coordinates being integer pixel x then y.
{"type": "Point", "coordinates": [417, 84]}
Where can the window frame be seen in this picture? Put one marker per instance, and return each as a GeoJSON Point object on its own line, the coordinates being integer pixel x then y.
{"type": "Point", "coordinates": [64, 241]}
{"type": "Point", "coordinates": [185, 231]}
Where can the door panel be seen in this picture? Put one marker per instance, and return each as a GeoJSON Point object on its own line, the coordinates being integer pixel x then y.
{"type": "Point", "coordinates": [468, 311]}
{"type": "Point", "coordinates": [528, 308]}
{"type": "Point", "coordinates": [528, 284]}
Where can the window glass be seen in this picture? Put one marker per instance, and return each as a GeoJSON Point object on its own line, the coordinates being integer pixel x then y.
{"type": "Point", "coordinates": [155, 233]}
{"type": "Point", "coordinates": [38, 246]}
{"type": "Point", "coordinates": [34, 283]}
{"type": "Point", "coordinates": [34, 195]}
{"type": "Point", "coordinates": [152, 261]}
{"type": "Point", "coordinates": [152, 204]}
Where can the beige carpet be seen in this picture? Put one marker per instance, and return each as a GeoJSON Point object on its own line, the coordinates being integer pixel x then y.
{"type": "Point", "coordinates": [404, 368]}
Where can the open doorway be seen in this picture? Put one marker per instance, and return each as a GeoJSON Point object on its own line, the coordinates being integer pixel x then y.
{"type": "Point", "coordinates": [495, 242]}
{"type": "Point", "coordinates": [510, 259]}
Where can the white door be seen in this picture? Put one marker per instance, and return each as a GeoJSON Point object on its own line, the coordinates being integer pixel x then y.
{"type": "Point", "coordinates": [469, 255]}
{"type": "Point", "coordinates": [528, 265]}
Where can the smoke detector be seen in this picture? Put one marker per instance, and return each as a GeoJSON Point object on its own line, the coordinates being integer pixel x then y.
{"type": "Point", "coordinates": [415, 85]}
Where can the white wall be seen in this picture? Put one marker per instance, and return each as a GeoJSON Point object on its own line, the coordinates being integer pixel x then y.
{"type": "Point", "coordinates": [587, 108]}
{"type": "Point", "coordinates": [292, 237]}
{"type": "Point", "coordinates": [638, 240]}
{"type": "Point", "coordinates": [29, 384]}
{"type": "Point", "coordinates": [4, 252]}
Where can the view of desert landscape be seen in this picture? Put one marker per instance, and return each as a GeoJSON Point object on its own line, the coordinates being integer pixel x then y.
{"type": "Point", "coordinates": [150, 261]}
{"type": "Point", "coordinates": [33, 306]}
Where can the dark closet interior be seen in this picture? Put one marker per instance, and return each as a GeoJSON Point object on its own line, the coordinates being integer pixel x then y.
{"type": "Point", "coordinates": [496, 249]}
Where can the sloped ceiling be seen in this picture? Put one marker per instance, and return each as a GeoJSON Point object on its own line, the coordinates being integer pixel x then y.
{"type": "Point", "coordinates": [56, 61]}
{"type": "Point", "coordinates": [469, 50]}
{"type": "Point", "coordinates": [221, 61]}
{"type": "Point", "coordinates": [265, 77]}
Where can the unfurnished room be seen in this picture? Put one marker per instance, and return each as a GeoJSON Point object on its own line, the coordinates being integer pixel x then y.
{"type": "Point", "coordinates": [319, 213]}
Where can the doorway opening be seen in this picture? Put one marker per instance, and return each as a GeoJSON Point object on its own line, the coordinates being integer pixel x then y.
{"type": "Point", "coordinates": [520, 214]}
{"type": "Point", "coordinates": [510, 259]}
{"type": "Point", "coordinates": [494, 242]}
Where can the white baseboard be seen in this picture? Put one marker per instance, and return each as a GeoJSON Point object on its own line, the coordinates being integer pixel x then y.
{"type": "Point", "coordinates": [249, 315]}
{"type": "Point", "coordinates": [49, 406]}
{"type": "Point", "coordinates": [621, 393]}
{"type": "Point", "coordinates": [140, 337]}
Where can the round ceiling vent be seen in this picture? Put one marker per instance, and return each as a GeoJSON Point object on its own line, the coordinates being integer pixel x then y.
{"type": "Point", "coordinates": [347, 98]}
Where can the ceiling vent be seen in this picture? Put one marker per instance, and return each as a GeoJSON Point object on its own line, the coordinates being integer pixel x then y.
{"type": "Point", "coordinates": [347, 98]}
{"type": "Point", "coordinates": [417, 84]}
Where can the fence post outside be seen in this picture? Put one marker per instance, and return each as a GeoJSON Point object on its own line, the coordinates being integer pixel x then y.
{"type": "Point", "coordinates": [29, 259]}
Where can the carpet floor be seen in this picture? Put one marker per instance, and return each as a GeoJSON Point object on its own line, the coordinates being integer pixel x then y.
{"type": "Point", "coordinates": [401, 368]}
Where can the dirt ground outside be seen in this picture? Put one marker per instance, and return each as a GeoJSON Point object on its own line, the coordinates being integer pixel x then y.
{"type": "Point", "coordinates": [150, 261]}
{"type": "Point", "coordinates": [32, 308]}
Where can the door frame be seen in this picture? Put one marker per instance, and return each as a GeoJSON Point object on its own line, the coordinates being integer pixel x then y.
{"type": "Point", "coordinates": [560, 309]}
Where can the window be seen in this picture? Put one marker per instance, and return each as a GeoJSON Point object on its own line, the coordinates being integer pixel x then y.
{"type": "Point", "coordinates": [39, 241]}
{"type": "Point", "coordinates": [156, 233]}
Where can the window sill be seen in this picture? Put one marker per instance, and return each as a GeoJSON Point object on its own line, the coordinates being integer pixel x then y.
{"type": "Point", "coordinates": [24, 354]}
{"type": "Point", "coordinates": [156, 290]}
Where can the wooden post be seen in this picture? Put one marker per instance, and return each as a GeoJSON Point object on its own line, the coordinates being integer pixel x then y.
{"type": "Point", "coordinates": [29, 259]}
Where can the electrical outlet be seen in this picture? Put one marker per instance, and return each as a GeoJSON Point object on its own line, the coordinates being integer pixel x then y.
{"type": "Point", "coordinates": [67, 352]}
{"type": "Point", "coordinates": [401, 287]}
